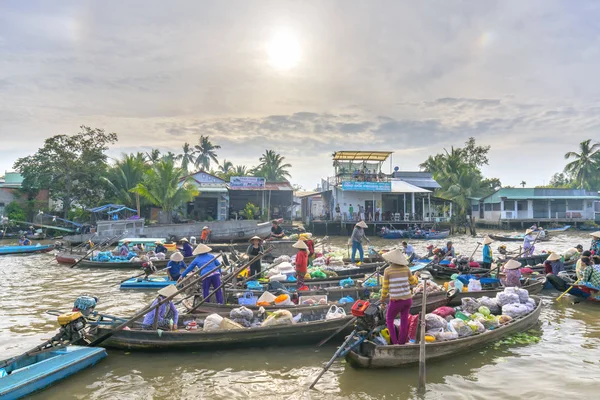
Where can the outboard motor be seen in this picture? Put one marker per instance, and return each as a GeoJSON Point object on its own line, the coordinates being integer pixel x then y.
{"type": "Point", "coordinates": [369, 315]}
{"type": "Point", "coordinates": [85, 305]}
{"type": "Point", "coordinates": [462, 264]}
{"type": "Point", "coordinates": [148, 268]}
{"type": "Point", "coordinates": [72, 327]}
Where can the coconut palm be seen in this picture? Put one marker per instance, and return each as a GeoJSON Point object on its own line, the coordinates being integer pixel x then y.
{"type": "Point", "coordinates": [165, 186]}
{"type": "Point", "coordinates": [239, 170]}
{"type": "Point", "coordinates": [272, 167]}
{"type": "Point", "coordinates": [153, 156]}
{"type": "Point", "coordinates": [226, 167]}
{"type": "Point", "coordinates": [205, 152]}
{"type": "Point", "coordinates": [523, 183]}
{"type": "Point", "coordinates": [186, 157]}
{"type": "Point", "coordinates": [126, 174]}
{"type": "Point", "coordinates": [584, 167]}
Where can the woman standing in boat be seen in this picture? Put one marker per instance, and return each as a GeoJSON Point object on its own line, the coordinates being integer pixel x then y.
{"type": "Point", "coordinates": [214, 279]}
{"type": "Point", "coordinates": [397, 280]}
{"type": "Point", "coordinates": [487, 253]}
{"type": "Point", "coordinates": [528, 243]}
{"type": "Point", "coordinates": [595, 247]}
{"type": "Point", "coordinates": [255, 248]}
{"type": "Point", "coordinates": [358, 234]}
{"type": "Point", "coordinates": [301, 262]}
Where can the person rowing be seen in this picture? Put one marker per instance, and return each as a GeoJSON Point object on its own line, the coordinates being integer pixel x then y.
{"type": "Point", "coordinates": [186, 248]}
{"type": "Point", "coordinates": [409, 251]}
{"type": "Point", "coordinates": [160, 247]}
{"type": "Point", "coordinates": [24, 241]}
{"type": "Point", "coordinates": [528, 243]}
{"type": "Point", "coordinates": [214, 279]}
{"type": "Point", "coordinates": [357, 237]}
{"type": "Point", "coordinates": [168, 315]}
{"type": "Point", "coordinates": [175, 266]}
{"type": "Point", "coordinates": [487, 253]}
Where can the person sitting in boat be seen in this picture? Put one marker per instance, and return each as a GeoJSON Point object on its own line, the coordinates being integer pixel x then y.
{"type": "Point", "coordinates": [124, 249]}
{"type": "Point", "coordinates": [175, 266]}
{"type": "Point", "coordinates": [301, 262]}
{"type": "Point", "coordinates": [358, 234]}
{"type": "Point", "coordinates": [553, 266]}
{"type": "Point", "coordinates": [186, 248]}
{"type": "Point", "coordinates": [580, 265]}
{"type": "Point", "coordinates": [276, 230]}
{"type": "Point", "coordinates": [138, 248]}
{"type": "Point", "coordinates": [148, 269]}
{"type": "Point", "coordinates": [591, 271]}
{"type": "Point", "coordinates": [397, 280]}
{"type": "Point", "coordinates": [595, 246]}
{"type": "Point", "coordinates": [214, 279]}
{"type": "Point", "coordinates": [409, 251]}
{"type": "Point", "coordinates": [528, 243]}
{"type": "Point", "coordinates": [307, 238]}
{"type": "Point", "coordinates": [204, 236]}
{"type": "Point", "coordinates": [255, 248]}
{"type": "Point", "coordinates": [160, 247]}
{"type": "Point", "coordinates": [448, 251]}
{"type": "Point", "coordinates": [167, 312]}
{"type": "Point", "coordinates": [89, 245]}
{"type": "Point", "coordinates": [430, 251]}
{"type": "Point", "coordinates": [24, 241]}
{"type": "Point", "coordinates": [487, 253]}
{"type": "Point", "coordinates": [512, 270]}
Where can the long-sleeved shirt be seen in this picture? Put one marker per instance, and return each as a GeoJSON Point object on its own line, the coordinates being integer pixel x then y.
{"type": "Point", "coordinates": [199, 261]}
{"type": "Point", "coordinates": [579, 267]}
{"type": "Point", "coordinates": [302, 261]}
{"type": "Point", "coordinates": [528, 241]}
{"type": "Point", "coordinates": [396, 283]}
{"type": "Point", "coordinates": [591, 275]}
{"type": "Point", "coordinates": [160, 249]}
{"type": "Point", "coordinates": [448, 252]}
{"type": "Point", "coordinates": [124, 250]}
{"type": "Point", "coordinates": [174, 268]}
{"type": "Point", "coordinates": [162, 311]}
{"type": "Point", "coordinates": [555, 267]}
{"type": "Point", "coordinates": [595, 246]}
{"type": "Point", "coordinates": [487, 253]}
{"type": "Point", "coordinates": [358, 235]}
{"type": "Point", "coordinates": [513, 278]}
{"type": "Point", "coordinates": [311, 247]}
{"type": "Point", "coordinates": [187, 250]}
{"type": "Point", "coordinates": [409, 250]}
{"type": "Point", "coordinates": [253, 252]}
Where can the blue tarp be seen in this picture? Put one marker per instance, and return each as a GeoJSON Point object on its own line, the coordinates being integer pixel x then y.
{"type": "Point", "coordinates": [121, 209]}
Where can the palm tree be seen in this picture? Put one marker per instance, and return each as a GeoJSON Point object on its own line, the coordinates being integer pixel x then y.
{"type": "Point", "coordinates": [126, 174]}
{"type": "Point", "coordinates": [205, 151]}
{"type": "Point", "coordinates": [226, 167]}
{"type": "Point", "coordinates": [153, 156]}
{"type": "Point", "coordinates": [240, 170]}
{"type": "Point", "coordinates": [523, 183]}
{"type": "Point", "coordinates": [165, 186]}
{"type": "Point", "coordinates": [186, 157]}
{"type": "Point", "coordinates": [584, 167]}
{"type": "Point", "coordinates": [272, 166]}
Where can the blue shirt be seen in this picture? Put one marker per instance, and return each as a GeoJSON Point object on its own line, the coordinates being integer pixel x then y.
{"type": "Point", "coordinates": [199, 261]}
{"type": "Point", "coordinates": [487, 254]}
{"type": "Point", "coordinates": [188, 250]}
{"type": "Point", "coordinates": [451, 253]}
{"type": "Point", "coordinates": [160, 249]}
{"type": "Point", "coordinates": [174, 269]}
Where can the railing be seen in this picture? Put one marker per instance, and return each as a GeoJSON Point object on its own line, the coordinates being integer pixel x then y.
{"type": "Point", "coordinates": [358, 177]}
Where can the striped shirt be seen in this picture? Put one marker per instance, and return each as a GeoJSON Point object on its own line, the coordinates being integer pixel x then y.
{"type": "Point", "coordinates": [396, 283]}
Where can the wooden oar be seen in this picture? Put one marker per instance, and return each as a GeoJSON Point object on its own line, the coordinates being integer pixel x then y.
{"type": "Point", "coordinates": [508, 259]}
{"type": "Point", "coordinates": [567, 291]}
{"type": "Point", "coordinates": [159, 303]}
{"type": "Point", "coordinates": [474, 251]}
{"type": "Point", "coordinates": [422, 356]}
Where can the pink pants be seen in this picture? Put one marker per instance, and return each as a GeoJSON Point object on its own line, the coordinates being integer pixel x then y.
{"type": "Point", "coordinates": [394, 308]}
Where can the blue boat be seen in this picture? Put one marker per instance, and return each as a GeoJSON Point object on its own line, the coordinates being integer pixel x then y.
{"type": "Point", "coordinates": [412, 234]}
{"type": "Point", "coordinates": [561, 229]}
{"type": "Point", "coordinates": [35, 372]}
{"type": "Point", "coordinates": [39, 248]}
{"type": "Point", "coordinates": [150, 283]}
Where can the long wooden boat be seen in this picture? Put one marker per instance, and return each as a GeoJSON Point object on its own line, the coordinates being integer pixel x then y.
{"type": "Point", "coordinates": [8, 250]}
{"type": "Point", "coordinates": [293, 334]}
{"type": "Point", "coordinates": [87, 263]}
{"type": "Point", "coordinates": [585, 291]}
{"type": "Point", "coordinates": [533, 287]}
{"type": "Point", "coordinates": [514, 238]}
{"type": "Point", "coordinates": [443, 272]}
{"type": "Point", "coordinates": [152, 283]}
{"type": "Point", "coordinates": [35, 372]}
{"type": "Point", "coordinates": [371, 355]}
{"type": "Point", "coordinates": [560, 229]}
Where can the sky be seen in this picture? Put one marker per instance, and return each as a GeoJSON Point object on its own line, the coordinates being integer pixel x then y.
{"type": "Point", "coordinates": [307, 79]}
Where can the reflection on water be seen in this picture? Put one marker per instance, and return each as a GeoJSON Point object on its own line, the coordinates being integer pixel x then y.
{"type": "Point", "coordinates": [564, 363]}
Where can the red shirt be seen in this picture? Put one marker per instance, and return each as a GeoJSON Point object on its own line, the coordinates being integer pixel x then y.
{"type": "Point", "coordinates": [311, 247]}
{"type": "Point", "coordinates": [301, 261]}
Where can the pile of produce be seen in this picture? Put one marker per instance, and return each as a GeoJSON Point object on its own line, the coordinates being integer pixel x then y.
{"type": "Point", "coordinates": [107, 256]}
{"type": "Point", "coordinates": [431, 287]}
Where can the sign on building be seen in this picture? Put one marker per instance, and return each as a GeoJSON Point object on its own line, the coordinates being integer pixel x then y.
{"type": "Point", "coordinates": [247, 181]}
{"type": "Point", "coordinates": [367, 186]}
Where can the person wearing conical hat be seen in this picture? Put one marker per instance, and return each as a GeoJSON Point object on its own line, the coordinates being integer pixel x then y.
{"type": "Point", "coordinates": [512, 270]}
{"type": "Point", "coordinates": [357, 237]}
{"type": "Point", "coordinates": [168, 315]}
{"type": "Point", "coordinates": [307, 238]}
{"type": "Point", "coordinates": [124, 249]}
{"type": "Point", "coordinates": [301, 262]}
{"type": "Point", "coordinates": [205, 235]}
{"type": "Point", "coordinates": [186, 248]}
{"type": "Point", "coordinates": [595, 246]}
{"type": "Point", "coordinates": [160, 247]}
{"type": "Point", "coordinates": [212, 276]}
{"type": "Point", "coordinates": [528, 243]}
{"type": "Point", "coordinates": [553, 266]}
{"type": "Point", "coordinates": [487, 253]}
{"type": "Point", "coordinates": [255, 248]}
{"type": "Point", "coordinates": [397, 279]}
{"type": "Point", "coordinates": [175, 266]}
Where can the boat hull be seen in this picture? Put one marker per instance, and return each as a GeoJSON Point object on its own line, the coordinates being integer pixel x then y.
{"type": "Point", "coordinates": [370, 355]}
{"type": "Point", "coordinates": [153, 283]}
{"type": "Point", "coordinates": [59, 364]}
{"type": "Point", "coordinates": [533, 289]}
{"type": "Point", "coordinates": [126, 265]}
{"type": "Point", "coordinates": [11, 250]}
{"type": "Point", "coordinates": [588, 293]}
{"type": "Point", "coordinates": [519, 238]}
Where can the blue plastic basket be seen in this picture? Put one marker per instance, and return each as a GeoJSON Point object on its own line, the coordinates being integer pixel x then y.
{"type": "Point", "coordinates": [248, 299]}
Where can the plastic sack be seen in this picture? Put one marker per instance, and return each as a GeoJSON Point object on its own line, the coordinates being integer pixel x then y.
{"type": "Point", "coordinates": [226, 323]}
{"type": "Point", "coordinates": [491, 304]}
{"type": "Point", "coordinates": [491, 322]}
{"type": "Point", "coordinates": [433, 321]}
{"type": "Point", "coordinates": [470, 305]}
{"type": "Point", "coordinates": [279, 317]}
{"type": "Point", "coordinates": [474, 285]}
{"type": "Point", "coordinates": [243, 322]}
{"type": "Point", "coordinates": [503, 298]}
{"type": "Point", "coordinates": [254, 285]}
{"type": "Point", "coordinates": [346, 300]}
{"type": "Point", "coordinates": [530, 305]}
{"type": "Point", "coordinates": [335, 312]}
{"type": "Point", "coordinates": [503, 319]}
{"type": "Point", "coordinates": [278, 278]}
{"type": "Point", "coordinates": [318, 274]}
{"type": "Point", "coordinates": [283, 300]}
{"type": "Point", "coordinates": [515, 310]}
{"type": "Point", "coordinates": [522, 293]}
{"type": "Point", "coordinates": [291, 278]}
{"type": "Point", "coordinates": [241, 313]}
{"type": "Point", "coordinates": [212, 322]}
{"type": "Point", "coordinates": [347, 282]}
{"type": "Point", "coordinates": [476, 326]}
{"type": "Point", "coordinates": [461, 327]}
{"type": "Point", "coordinates": [413, 323]}
{"type": "Point", "coordinates": [484, 310]}
{"type": "Point", "coordinates": [371, 282]}
{"type": "Point", "coordinates": [444, 311]}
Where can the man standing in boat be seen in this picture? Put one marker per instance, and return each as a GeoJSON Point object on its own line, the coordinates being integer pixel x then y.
{"type": "Point", "coordinates": [358, 235]}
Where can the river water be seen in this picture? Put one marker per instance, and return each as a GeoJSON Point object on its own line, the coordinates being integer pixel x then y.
{"type": "Point", "coordinates": [564, 363]}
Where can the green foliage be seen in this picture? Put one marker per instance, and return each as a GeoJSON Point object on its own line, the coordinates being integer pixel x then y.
{"type": "Point", "coordinates": [186, 157]}
{"type": "Point", "coordinates": [528, 337]}
{"type": "Point", "coordinates": [249, 211]}
{"type": "Point", "coordinates": [272, 167]}
{"type": "Point", "coordinates": [560, 180]}
{"type": "Point", "coordinates": [205, 153]}
{"type": "Point", "coordinates": [125, 175]}
{"type": "Point", "coordinates": [162, 186]}
{"type": "Point", "coordinates": [70, 166]}
{"type": "Point", "coordinates": [585, 167]}
{"type": "Point", "coordinates": [15, 212]}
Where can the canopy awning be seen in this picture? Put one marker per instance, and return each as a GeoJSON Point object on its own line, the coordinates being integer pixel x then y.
{"type": "Point", "coordinates": [378, 156]}
{"type": "Point", "coordinates": [121, 209]}
{"type": "Point", "coordinates": [405, 187]}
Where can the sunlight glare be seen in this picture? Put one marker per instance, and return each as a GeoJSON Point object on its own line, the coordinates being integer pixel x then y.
{"type": "Point", "coordinates": [283, 50]}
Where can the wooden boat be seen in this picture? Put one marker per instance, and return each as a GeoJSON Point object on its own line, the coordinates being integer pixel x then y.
{"type": "Point", "coordinates": [585, 291]}
{"type": "Point", "coordinates": [533, 286]}
{"type": "Point", "coordinates": [35, 372]}
{"type": "Point", "coordinates": [514, 238]}
{"type": "Point", "coordinates": [333, 293]}
{"type": "Point", "coordinates": [368, 259]}
{"type": "Point", "coordinates": [39, 248]}
{"type": "Point", "coordinates": [309, 332]}
{"type": "Point", "coordinates": [371, 355]}
{"type": "Point", "coordinates": [153, 282]}
{"type": "Point", "coordinates": [439, 271]}
{"type": "Point", "coordinates": [87, 263]}
{"type": "Point", "coordinates": [560, 229]}
{"type": "Point", "coordinates": [424, 235]}
{"type": "Point", "coordinates": [67, 258]}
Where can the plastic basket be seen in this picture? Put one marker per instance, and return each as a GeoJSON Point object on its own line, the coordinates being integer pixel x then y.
{"type": "Point", "coordinates": [248, 299]}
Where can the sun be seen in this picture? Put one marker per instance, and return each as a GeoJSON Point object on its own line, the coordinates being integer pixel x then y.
{"type": "Point", "coordinates": [283, 50]}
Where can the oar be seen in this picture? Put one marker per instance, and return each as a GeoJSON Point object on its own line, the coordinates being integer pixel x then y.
{"type": "Point", "coordinates": [513, 258]}
{"type": "Point", "coordinates": [257, 274]}
{"type": "Point", "coordinates": [335, 355]}
{"type": "Point", "coordinates": [110, 240]}
{"type": "Point", "coordinates": [206, 297]}
{"type": "Point", "coordinates": [422, 356]}
{"type": "Point", "coordinates": [474, 251]}
{"type": "Point", "coordinates": [153, 306]}
{"type": "Point", "coordinates": [567, 291]}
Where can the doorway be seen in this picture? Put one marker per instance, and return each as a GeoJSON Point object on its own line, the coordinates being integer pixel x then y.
{"type": "Point", "coordinates": [369, 209]}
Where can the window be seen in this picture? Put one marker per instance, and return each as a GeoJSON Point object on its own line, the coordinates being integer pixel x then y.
{"type": "Point", "coordinates": [509, 205]}
{"type": "Point", "coordinates": [497, 207]}
{"type": "Point", "coordinates": [522, 205]}
{"type": "Point", "coordinates": [475, 207]}
{"type": "Point", "coordinates": [488, 207]}
{"type": "Point", "coordinates": [575, 205]}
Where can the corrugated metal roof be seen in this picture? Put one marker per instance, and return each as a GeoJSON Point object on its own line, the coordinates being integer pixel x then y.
{"type": "Point", "coordinates": [281, 186]}
{"type": "Point", "coordinates": [555, 198]}
{"type": "Point", "coordinates": [361, 155]}
{"type": "Point", "coordinates": [405, 187]}
{"type": "Point", "coordinates": [539, 193]}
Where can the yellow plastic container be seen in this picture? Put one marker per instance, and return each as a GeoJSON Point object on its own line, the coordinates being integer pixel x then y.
{"type": "Point", "coordinates": [429, 338]}
{"type": "Point", "coordinates": [386, 335]}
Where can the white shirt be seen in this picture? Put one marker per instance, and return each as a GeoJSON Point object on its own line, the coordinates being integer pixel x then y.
{"type": "Point", "coordinates": [409, 250]}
